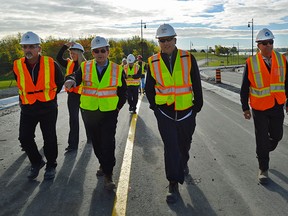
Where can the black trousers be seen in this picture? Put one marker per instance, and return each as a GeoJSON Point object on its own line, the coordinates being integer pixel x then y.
{"type": "Point", "coordinates": [268, 132]}
{"type": "Point", "coordinates": [177, 138]}
{"type": "Point", "coordinates": [73, 103]}
{"type": "Point", "coordinates": [27, 128]}
{"type": "Point", "coordinates": [102, 129]}
{"type": "Point", "coordinates": [132, 92]}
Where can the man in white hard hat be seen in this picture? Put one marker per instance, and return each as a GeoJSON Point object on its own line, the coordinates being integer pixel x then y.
{"type": "Point", "coordinates": [39, 79]}
{"type": "Point", "coordinates": [72, 64]}
{"type": "Point", "coordinates": [103, 95]}
{"type": "Point", "coordinates": [265, 86]}
{"type": "Point", "coordinates": [133, 74]}
{"type": "Point", "coordinates": [173, 88]}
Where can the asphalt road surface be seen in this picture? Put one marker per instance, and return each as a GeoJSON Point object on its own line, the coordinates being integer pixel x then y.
{"type": "Point", "coordinates": [222, 179]}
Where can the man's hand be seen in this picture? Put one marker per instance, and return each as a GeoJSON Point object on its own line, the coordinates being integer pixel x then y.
{"type": "Point", "coordinates": [247, 114]}
{"type": "Point", "coordinates": [69, 84]}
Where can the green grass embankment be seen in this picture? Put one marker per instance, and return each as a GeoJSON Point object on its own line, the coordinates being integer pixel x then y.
{"type": "Point", "coordinates": [214, 60]}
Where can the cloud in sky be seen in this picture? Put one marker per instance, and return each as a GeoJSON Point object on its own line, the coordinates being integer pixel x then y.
{"type": "Point", "coordinates": [203, 23]}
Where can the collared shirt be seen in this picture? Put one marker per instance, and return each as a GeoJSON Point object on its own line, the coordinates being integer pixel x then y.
{"type": "Point", "coordinates": [267, 61]}
{"type": "Point", "coordinates": [100, 68]}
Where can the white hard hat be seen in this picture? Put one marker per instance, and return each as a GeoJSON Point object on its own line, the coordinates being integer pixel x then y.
{"type": "Point", "coordinates": [130, 58]}
{"type": "Point", "coordinates": [264, 34]}
{"type": "Point", "coordinates": [124, 59]}
{"type": "Point", "coordinates": [77, 46]}
{"type": "Point", "coordinates": [98, 42]}
{"type": "Point", "coordinates": [30, 38]}
{"type": "Point", "coordinates": [165, 30]}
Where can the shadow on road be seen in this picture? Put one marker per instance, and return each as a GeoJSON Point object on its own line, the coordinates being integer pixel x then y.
{"type": "Point", "coordinates": [273, 186]}
{"type": "Point", "coordinates": [200, 206]}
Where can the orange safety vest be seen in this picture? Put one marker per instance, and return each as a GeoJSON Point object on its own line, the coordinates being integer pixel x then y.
{"type": "Point", "coordinates": [45, 88]}
{"type": "Point", "coordinates": [176, 87]}
{"type": "Point", "coordinates": [266, 87]}
{"type": "Point", "coordinates": [69, 70]}
{"type": "Point", "coordinates": [133, 71]}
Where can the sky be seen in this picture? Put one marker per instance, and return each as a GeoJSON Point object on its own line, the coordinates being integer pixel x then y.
{"type": "Point", "coordinates": [199, 24]}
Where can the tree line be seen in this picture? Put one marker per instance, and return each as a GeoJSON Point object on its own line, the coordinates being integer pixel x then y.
{"type": "Point", "coordinates": [10, 50]}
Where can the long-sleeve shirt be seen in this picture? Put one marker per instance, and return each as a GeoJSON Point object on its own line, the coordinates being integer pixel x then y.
{"type": "Point", "coordinates": [39, 106]}
{"type": "Point", "coordinates": [245, 88]}
{"type": "Point", "coordinates": [64, 62]}
{"type": "Point", "coordinates": [121, 91]}
{"type": "Point", "coordinates": [196, 86]}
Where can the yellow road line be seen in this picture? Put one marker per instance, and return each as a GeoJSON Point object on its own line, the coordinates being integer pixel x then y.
{"type": "Point", "coordinates": [120, 201]}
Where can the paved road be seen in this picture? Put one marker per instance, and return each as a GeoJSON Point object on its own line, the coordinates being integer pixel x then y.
{"type": "Point", "coordinates": [222, 180]}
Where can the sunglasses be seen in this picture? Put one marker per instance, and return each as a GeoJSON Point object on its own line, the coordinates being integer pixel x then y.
{"type": "Point", "coordinates": [98, 51]}
{"type": "Point", "coordinates": [29, 46]}
{"type": "Point", "coordinates": [166, 39]}
{"type": "Point", "coordinates": [266, 42]}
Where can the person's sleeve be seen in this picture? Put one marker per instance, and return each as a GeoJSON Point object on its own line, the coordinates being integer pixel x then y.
{"type": "Point", "coordinates": [59, 77]}
{"type": "Point", "coordinates": [286, 85]}
{"type": "Point", "coordinates": [244, 92]}
{"type": "Point", "coordinates": [138, 75]}
{"type": "Point", "coordinates": [122, 92]}
{"type": "Point", "coordinates": [196, 85]}
{"type": "Point", "coordinates": [76, 76]}
{"type": "Point", "coordinates": [63, 62]}
{"type": "Point", "coordinates": [150, 89]}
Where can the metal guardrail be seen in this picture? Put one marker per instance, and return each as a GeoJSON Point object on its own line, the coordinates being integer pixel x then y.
{"type": "Point", "coordinates": [9, 102]}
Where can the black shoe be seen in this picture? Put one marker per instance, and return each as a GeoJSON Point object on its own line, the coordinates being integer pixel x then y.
{"type": "Point", "coordinates": [272, 144]}
{"type": "Point", "coordinates": [100, 172]}
{"type": "Point", "coordinates": [186, 170]}
{"type": "Point", "coordinates": [34, 170]}
{"type": "Point", "coordinates": [50, 173]}
{"type": "Point", "coordinates": [173, 193]}
{"type": "Point", "coordinates": [108, 183]}
{"type": "Point", "coordinates": [70, 149]}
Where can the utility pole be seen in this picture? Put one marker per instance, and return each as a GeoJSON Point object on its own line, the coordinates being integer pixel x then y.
{"type": "Point", "coordinates": [142, 25]}
{"type": "Point", "coordinates": [252, 25]}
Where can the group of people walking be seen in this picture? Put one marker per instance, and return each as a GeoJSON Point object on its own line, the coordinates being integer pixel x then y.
{"type": "Point", "coordinates": [100, 88]}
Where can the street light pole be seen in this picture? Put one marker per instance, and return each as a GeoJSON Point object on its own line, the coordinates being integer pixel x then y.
{"type": "Point", "coordinates": [252, 25]}
{"type": "Point", "coordinates": [142, 25]}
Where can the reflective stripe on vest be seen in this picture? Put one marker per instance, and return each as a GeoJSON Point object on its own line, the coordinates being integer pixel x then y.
{"type": "Point", "coordinates": [100, 95]}
{"type": "Point", "coordinates": [69, 70]}
{"type": "Point", "coordinates": [175, 88]}
{"type": "Point", "coordinates": [142, 67]}
{"type": "Point", "coordinates": [45, 88]}
{"type": "Point", "coordinates": [133, 71]}
{"type": "Point", "coordinates": [265, 87]}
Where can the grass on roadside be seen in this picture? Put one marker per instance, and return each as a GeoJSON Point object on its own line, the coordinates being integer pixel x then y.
{"type": "Point", "coordinates": [214, 60]}
{"type": "Point", "coordinates": [7, 84]}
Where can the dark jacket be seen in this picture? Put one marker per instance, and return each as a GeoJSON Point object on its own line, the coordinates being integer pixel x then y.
{"type": "Point", "coordinates": [196, 85]}
{"type": "Point", "coordinates": [38, 106]}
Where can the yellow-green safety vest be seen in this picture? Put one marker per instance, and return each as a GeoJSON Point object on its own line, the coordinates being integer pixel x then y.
{"type": "Point", "coordinates": [129, 72]}
{"type": "Point", "coordinates": [175, 88]}
{"type": "Point", "coordinates": [100, 95]}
